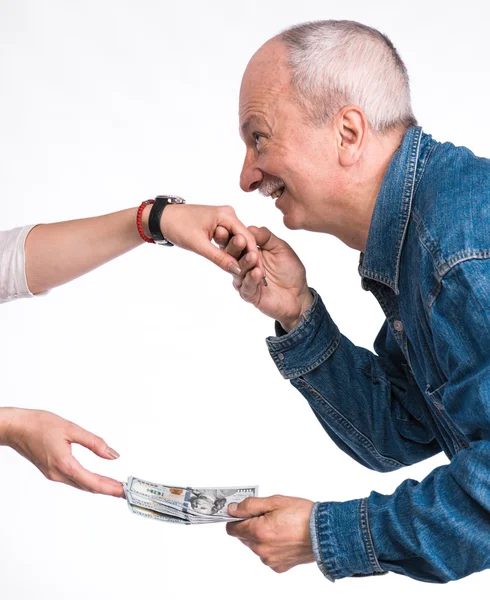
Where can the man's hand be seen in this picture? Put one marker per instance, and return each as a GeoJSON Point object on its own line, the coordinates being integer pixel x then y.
{"type": "Point", "coordinates": [277, 529]}
{"type": "Point", "coordinates": [45, 440]}
{"type": "Point", "coordinates": [193, 227]}
{"type": "Point", "coordinates": [286, 296]}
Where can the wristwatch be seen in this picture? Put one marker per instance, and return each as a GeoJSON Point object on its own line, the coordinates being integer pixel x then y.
{"type": "Point", "coordinates": [156, 215]}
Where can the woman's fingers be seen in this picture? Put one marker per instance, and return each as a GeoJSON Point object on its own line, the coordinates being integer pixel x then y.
{"type": "Point", "coordinates": [91, 441]}
{"type": "Point", "coordinates": [73, 471]}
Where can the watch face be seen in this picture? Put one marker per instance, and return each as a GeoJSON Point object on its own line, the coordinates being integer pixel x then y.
{"type": "Point", "coordinates": [172, 199]}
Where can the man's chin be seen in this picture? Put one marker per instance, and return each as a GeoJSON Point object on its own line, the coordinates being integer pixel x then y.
{"type": "Point", "coordinates": [290, 214]}
{"type": "Point", "coordinates": [290, 222]}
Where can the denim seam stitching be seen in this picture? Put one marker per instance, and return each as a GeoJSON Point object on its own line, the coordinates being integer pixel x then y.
{"type": "Point", "coordinates": [460, 441]}
{"type": "Point", "coordinates": [443, 422]}
{"type": "Point", "coordinates": [430, 246]}
{"type": "Point", "coordinates": [323, 565]}
{"type": "Point", "coordinates": [424, 165]}
{"type": "Point", "coordinates": [294, 373]}
{"type": "Point", "coordinates": [329, 558]}
{"type": "Point", "coordinates": [441, 265]}
{"type": "Point", "coordinates": [351, 429]}
{"type": "Point", "coordinates": [367, 538]}
{"type": "Point", "coordinates": [408, 192]}
{"type": "Point", "coordinates": [427, 241]}
{"type": "Point", "coordinates": [459, 257]}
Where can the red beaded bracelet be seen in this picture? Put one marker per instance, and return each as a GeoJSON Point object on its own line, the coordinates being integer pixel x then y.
{"type": "Point", "coordinates": [139, 214]}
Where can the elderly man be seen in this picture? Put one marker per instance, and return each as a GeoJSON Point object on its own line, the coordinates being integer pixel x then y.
{"type": "Point", "coordinates": [326, 118]}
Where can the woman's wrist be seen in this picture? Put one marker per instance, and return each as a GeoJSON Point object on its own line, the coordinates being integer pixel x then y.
{"type": "Point", "coordinates": [145, 215]}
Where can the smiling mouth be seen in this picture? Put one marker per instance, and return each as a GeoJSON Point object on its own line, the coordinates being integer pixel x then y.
{"type": "Point", "coordinates": [277, 193]}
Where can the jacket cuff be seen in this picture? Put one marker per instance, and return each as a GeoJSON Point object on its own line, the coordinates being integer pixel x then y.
{"type": "Point", "coordinates": [342, 541]}
{"type": "Point", "coordinates": [306, 346]}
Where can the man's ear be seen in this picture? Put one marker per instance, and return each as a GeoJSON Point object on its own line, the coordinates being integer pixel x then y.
{"type": "Point", "coordinates": [351, 125]}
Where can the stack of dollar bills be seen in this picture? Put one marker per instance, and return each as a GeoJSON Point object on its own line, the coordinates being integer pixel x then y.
{"type": "Point", "coordinates": [186, 506]}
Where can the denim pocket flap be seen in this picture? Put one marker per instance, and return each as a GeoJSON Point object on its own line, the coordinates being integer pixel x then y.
{"type": "Point", "coordinates": [411, 427]}
{"type": "Point", "coordinates": [436, 398]}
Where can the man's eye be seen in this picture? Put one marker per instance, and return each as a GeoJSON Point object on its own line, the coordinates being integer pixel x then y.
{"type": "Point", "coordinates": [257, 137]}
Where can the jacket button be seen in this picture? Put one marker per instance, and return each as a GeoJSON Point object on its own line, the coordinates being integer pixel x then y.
{"type": "Point", "coordinates": [398, 325]}
{"type": "Point", "coordinates": [281, 356]}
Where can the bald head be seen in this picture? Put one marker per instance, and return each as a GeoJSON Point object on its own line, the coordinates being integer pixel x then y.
{"type": "Point", "coordinates": [268, 68]}
{"type": "Point", "coordinates": [326, 65]}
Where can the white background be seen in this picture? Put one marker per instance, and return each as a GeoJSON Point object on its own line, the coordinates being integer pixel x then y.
{"type": "Point", "coordinates": [103, 104]}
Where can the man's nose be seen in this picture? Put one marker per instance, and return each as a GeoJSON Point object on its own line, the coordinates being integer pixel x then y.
{"type": "Point", "coordinates": [250, 177]}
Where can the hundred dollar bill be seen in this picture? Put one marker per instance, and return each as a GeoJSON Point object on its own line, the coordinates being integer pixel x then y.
{"type": "Point", "coordinates": [171, 511]}
{"type": "Point", "coordinates": [184, 505]}
{"type": "Point", "coordinates": [138, 501]}
{"type": "Point", "coordinates": [135, 500]}
{"type": "Point", "coordinates": [201, 501]}
{"type": "Point", "coordinates": [151, 514]}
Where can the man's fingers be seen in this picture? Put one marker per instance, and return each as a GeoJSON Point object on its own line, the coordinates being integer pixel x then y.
{"type": "Point", "coordinates": [248, 262]}
{"type": "Point", "coordinates": [251, 284]}
{"type": "Point", "coordinates": [229, 221]}
{"type": "Point", "coordinates": [243, 530]}
{"type": "Point", "coordinates": [91, 482]}
{"type": "Point", "coordinates": [92, 442]}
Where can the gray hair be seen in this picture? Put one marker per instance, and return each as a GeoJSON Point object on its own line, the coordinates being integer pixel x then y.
{"type": "Point", "coordinates": [337, 63]}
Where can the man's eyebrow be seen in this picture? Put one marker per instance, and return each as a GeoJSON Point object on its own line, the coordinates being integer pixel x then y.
{"type": "Point", "coordinates": [251, 123]}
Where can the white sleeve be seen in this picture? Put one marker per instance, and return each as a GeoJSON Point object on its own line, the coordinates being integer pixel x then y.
{"type": "Point", "coordinates": [13, 282]}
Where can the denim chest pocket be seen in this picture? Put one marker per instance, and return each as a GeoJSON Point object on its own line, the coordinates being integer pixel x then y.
{"type": "Point", "coordinates": [455, 440]}
{"type": "Point", "coordinates": [412, 427]}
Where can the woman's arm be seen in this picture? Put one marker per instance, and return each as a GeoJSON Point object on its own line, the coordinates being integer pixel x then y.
{"type": "Point", "coordinates": [59, 252]}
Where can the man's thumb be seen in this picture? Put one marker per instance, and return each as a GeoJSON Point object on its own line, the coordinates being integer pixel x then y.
{"type": "Point", "coordinates": [265, 239]}
{"type": "Point", "coordinates": [250, 507]}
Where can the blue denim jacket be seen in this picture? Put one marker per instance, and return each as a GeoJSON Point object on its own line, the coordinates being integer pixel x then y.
{"type": "Point", "coordinates": [426, 388]}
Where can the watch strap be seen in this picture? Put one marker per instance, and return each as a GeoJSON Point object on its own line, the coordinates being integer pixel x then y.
{"type": "Point", "coordinates": [155, 217]}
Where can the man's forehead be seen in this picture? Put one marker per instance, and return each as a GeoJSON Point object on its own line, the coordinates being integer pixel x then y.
{"type": "Point", "coordinates": [266, 78]}
{"type": "Point", "coordinates": [269, 65]}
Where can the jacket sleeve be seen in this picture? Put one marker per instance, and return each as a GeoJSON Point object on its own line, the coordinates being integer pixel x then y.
{"type": "Point", "coordinates": [368, 403]}
{"type": "Point", "coordinates": [439, 529]}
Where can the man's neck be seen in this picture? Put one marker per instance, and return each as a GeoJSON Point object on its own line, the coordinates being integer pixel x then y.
{"type": "Point", "coordinates": [362, 189]}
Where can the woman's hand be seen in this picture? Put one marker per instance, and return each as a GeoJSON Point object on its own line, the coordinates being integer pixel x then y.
{"type": "Point", "coordinates": [194, 226]}
{"type": "Point", "coordinates": [45, 439]}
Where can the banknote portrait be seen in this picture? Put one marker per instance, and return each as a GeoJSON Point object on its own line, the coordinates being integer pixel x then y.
{"type": "Point", "coordinates": [209, 502]}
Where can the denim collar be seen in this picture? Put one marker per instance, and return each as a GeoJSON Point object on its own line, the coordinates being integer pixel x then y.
{"type": "Point", "coordinates": [381, 259]}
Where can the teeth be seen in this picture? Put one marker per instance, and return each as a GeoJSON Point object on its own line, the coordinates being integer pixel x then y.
{"type": "Point", "coordinates": [277, 193]}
